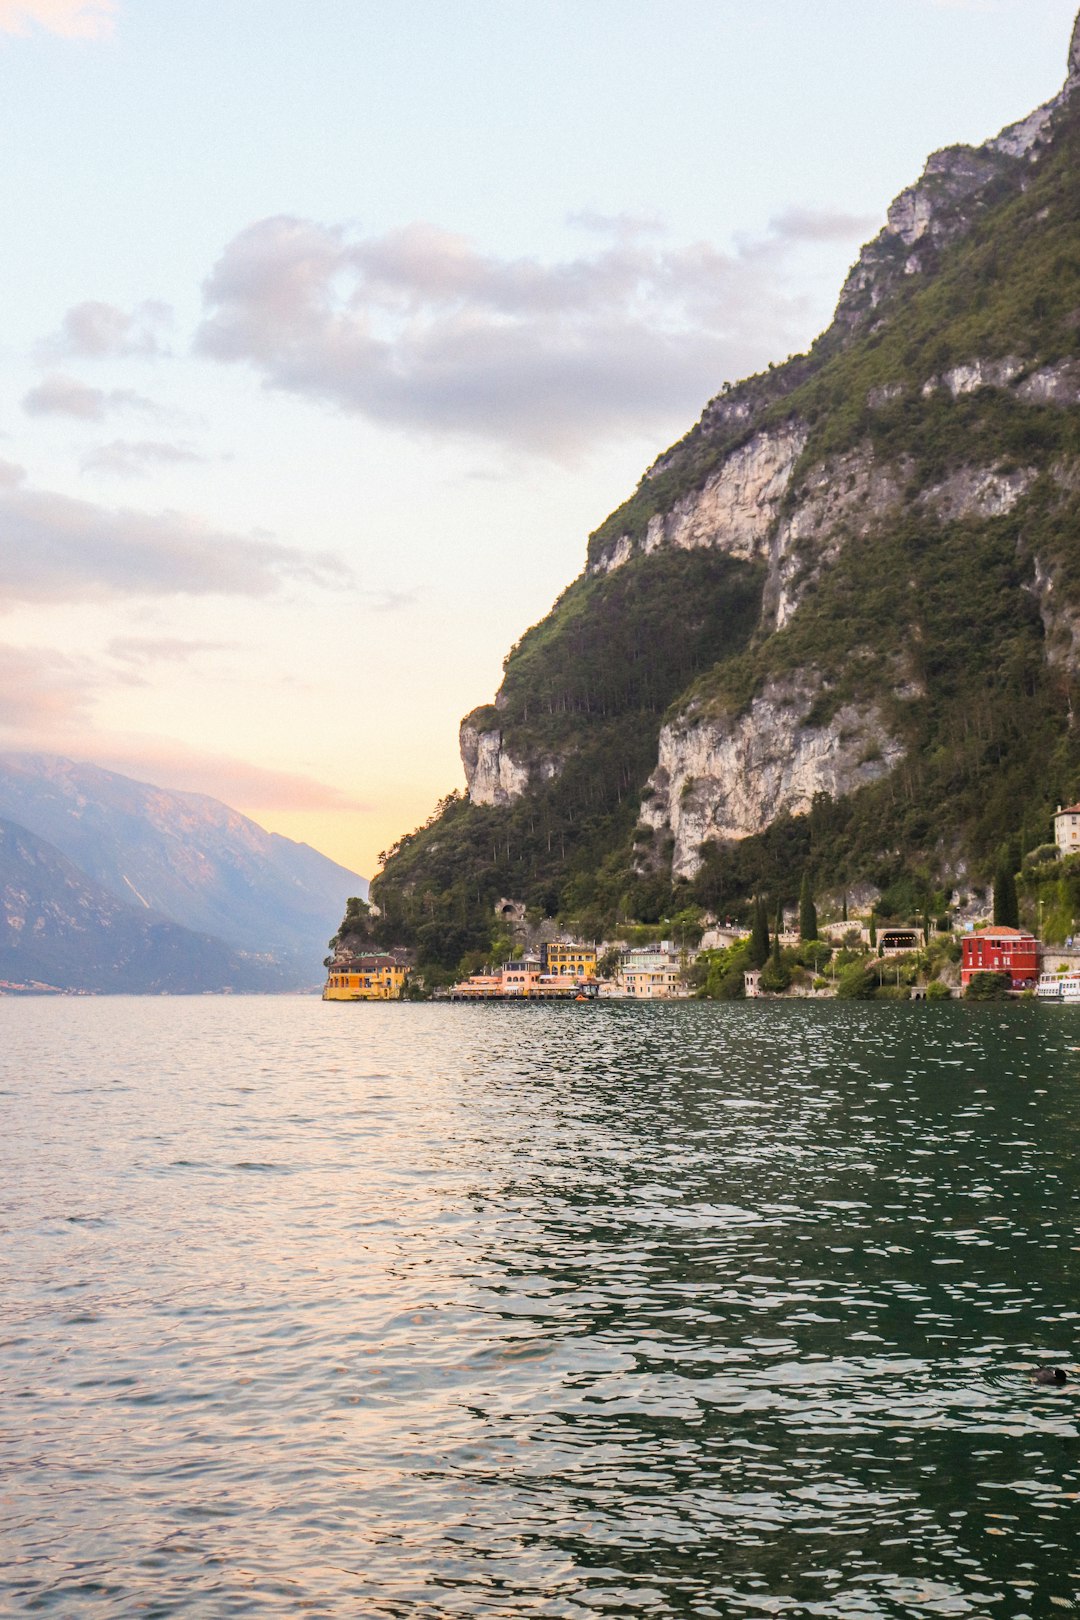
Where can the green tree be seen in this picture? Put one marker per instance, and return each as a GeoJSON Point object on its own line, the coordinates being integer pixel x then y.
{"type": "Point", "coordinates": [873, 932]}
{"type": "Point", "coordinates": [808, 928]}
{"type": "Point", "coordinates": [844, 915]}
{"type": "Point", "coordinates": [759, 938]}
{"type": "Point", "coordinates": [857, 983]}
{"type": "Point", "coordinates": [775, 976]}
{"type": "Point", "coordinates": [988, 987]}
{"type": "Point", "coordinates": [1006, 904]}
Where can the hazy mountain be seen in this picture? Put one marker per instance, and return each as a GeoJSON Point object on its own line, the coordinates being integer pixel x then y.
{"type": "Point", "coordinates": [185, 857]}
{"type": "Point", "coordinates": [836, 627]}
{"type": "Point", "coordinates": [61, 931]}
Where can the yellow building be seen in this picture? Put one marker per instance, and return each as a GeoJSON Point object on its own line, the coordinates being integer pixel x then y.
{"type": "Point", "coordinates": [571, 961]}
{"type": "Point", "coordinates": [366, 978]}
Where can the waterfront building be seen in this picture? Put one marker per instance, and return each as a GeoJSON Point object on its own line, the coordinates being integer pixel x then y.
{"type": "Point", "coordinates": [366, 978]}
{"type": "Point", "coordinates": [561, 957]}
{"type": "Point", "coordinates": [1001, 950]}
{"type": "Point", "coordinates": [652, 973]}
{"type": "Point", "coordinates": [522, 981]}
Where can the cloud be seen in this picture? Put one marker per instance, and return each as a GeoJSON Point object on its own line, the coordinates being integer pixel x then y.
{"type": "Point", "coordinates": [59, 395]}
{"type": "Point", "coordinates": [40, 687]}
{"type": "Point", "coordinates": [72, 19]}
{"type": "Point", "coordinates": [41, 711]}
{"type": "Point", "coordinates": [145, 650]}
{"type": "Point", "coordinates": [389, 601]}
{"type": "Point", "coordinates": [820, 225]}
{"type": "Point", "coordinates": [94, 331]}
{"type": "Point", "coordinates": [56, 549]}
{"type": "Point", "coordinates": [618, 225]}
{"type": "Point", "coordinates": [129, 459]}
{"type": "Point", "coordinates": [169, 764]}
{"type": "Point", "coordinates": [420, 330]}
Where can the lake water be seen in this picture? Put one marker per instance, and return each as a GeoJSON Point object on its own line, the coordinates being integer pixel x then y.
{"type": "Point", "coordinates": [569, 1311]}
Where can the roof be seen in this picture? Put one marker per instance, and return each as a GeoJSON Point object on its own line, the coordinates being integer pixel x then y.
{"type": "Point", "coordinates": [999, 933]}
{"type": "Point", "coordinates": [364, 964]}
{"type": "Point", "coordinates": [1069, 810]}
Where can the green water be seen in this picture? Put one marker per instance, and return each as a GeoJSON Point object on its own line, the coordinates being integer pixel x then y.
{"type": "Point", "coordinates": [614, 1310]}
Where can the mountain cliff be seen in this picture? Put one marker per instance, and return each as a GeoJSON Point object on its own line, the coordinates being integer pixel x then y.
{"type": "Point", "coordinates": [185, 857]}
{"type": "Point", "coordinates": [837, 626]}
{"type": "Point", "coordinates": [61, 931]}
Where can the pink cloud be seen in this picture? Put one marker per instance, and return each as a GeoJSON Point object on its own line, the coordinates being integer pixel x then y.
{"type": "Point", "coordinates": [71, 19]}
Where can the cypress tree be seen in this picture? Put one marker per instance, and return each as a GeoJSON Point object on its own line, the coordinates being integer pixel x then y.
{"type": "Point", "coordinates": [1006, 903]}
{"type": "Point", "coordinates": [759, 938]}
{"type": "Point", "coordinates": [808, 929]}
{"type": "Point", "coordinates": [873, 932]}
{"type": "Point", "coordinates": [775, 976]}
{"type": "Point", "coordinates": [845, 908]}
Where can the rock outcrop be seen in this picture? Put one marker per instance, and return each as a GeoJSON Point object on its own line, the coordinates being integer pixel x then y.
{"type": "Point", "coordinates": [730, 777]}
{"type": "Point", "coordinates": [734, 511]}
{"type": "Point", "coordinates": [492, 774]}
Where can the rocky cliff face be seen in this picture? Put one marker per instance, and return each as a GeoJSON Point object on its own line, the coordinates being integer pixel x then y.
{"type": "Point", "coordinates": [493, 775]}
{"type": "Point", "coordinates": [901, 510]}
{"type": "Point", "coordinates": [731, 777]}
{"type": "Point", "coordinates": [735, 510]}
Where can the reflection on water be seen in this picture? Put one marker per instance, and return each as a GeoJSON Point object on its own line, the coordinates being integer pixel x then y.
{"type": "Point", "coordinates": [483, 1311]}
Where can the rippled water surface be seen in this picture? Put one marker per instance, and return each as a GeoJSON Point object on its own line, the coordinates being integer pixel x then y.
{"type": "Point", "coordinates": [482, 1311]}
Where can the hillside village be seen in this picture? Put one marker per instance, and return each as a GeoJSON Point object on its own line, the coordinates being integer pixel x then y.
{"type": "Point", "coordinates": [981, 945]}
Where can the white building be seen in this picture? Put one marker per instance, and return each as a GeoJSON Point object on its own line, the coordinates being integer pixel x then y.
{"type": "Point", "coordinates": [1067, 829]}
{"type": "Point", "coordinates": [652, 973]}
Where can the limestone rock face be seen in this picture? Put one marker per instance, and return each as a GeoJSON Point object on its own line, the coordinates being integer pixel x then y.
{"type": "Point", "coordinates": [730, 777]}
{"type": "Point", "coordinates": [492, 774]}
{"type": "Point", "coordinates": [734, 511]}
{"type": "Point", "coordinates": [839, 500]}
{"type": "Point", "coordinates": [975, 374]}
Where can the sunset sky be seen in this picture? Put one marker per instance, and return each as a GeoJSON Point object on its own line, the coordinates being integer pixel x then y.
{"type": "Point", "coordinates": [331, 328]}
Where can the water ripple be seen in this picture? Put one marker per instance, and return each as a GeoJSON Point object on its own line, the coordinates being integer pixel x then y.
{"type": "Point", "coordinates": [698, 1310]}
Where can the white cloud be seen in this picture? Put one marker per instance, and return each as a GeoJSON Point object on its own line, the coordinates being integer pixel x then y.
{"type": "Point", "coordinates": [40, 687]}
{"type": "Point", "coordinates": [128, 459]}
{"type": "Point", "coordinates": [820, 225]}
{"type": "Point", "coordinates": [142, 651]}
{"type": "Point", "coordinates": [94, 331]}
{"type": "Point", "coordinates": [43, 699]}
{"type": "Point", "coordinates": [421, 330]}
{"type": "Point", "coordinates": [55, 549]}
{"type": "Point", "coordinates": [60, 395]}
{"type": "Point", "coordinates": [72, 19]}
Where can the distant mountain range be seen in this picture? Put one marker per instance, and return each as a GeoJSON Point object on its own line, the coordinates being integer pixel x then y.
{"type": "Point", "coordinates": [112, 884]}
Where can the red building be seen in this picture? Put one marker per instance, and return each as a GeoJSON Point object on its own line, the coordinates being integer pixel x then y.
{"type": "Point", "coordinates": [1001, 950]}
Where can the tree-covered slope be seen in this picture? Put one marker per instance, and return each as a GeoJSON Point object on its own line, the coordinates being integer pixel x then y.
{"type": "Point", "coordinates": [836, 626]}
